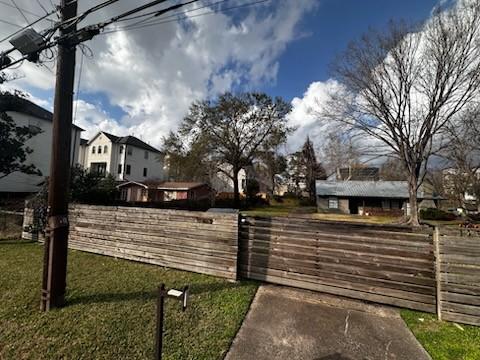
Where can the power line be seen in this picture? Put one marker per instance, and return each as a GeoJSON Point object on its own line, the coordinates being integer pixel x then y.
{"type": "Point", "coordinates": [20, 11]}
{"type": "Point", "coordinates": [43, 8]}
{"type": "Point", "coordinates": [27, 26]}
{"type": "Point", "coordinates": [78, 88]}
{"type": "Point", "coordinates": [163, 21]}
{"type": "Point", "coordinates": [88, 32]}
{"type": "Point", "coordinates": [24, 10]}
{"type": "Point", "coordinates": [10, 23]}
{"type": "Point", "coordinates": [191, 10]}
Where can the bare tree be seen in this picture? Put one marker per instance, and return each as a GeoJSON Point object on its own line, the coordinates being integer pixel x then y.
{"type": "Point", "coordinates": [393, 170]}
{"type": "Point", "coordinates": [340, 151]}
{"type": "Point", "coordinates": [402, 86]}
{"type": "Point", "coordinates": [463, 154]}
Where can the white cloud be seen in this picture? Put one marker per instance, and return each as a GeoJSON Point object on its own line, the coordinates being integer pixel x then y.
{"type": "Point", "coordinates": [304, 115]}
{"type": "Point", "coordinates": [155, 73]}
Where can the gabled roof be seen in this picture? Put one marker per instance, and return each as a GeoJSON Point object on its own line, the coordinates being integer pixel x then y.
{"type": "Point", "coordinates": [18, 104]}
{"type": "Point", "coordinates": [132, 140]}
{"type": "Point", "coordinates": [377, 189]}
{"type": "Point", "coordinates": [170, 185]}
{"type": "Point", "coordinates": [127, 140]}
{"type": "Point", "coordinates": [165, 185]}
{"type": "Point", "coordinates": [132, 183]}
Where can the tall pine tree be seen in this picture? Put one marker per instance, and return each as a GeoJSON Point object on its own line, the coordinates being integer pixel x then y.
{"type": "Point", "coordinates": [313, 169]}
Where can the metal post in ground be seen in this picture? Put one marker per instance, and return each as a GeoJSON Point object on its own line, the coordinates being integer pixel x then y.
{"type": "Point", "coordinates": [160, 317]}
{"type": "Point", "coordinates": [179, 295]}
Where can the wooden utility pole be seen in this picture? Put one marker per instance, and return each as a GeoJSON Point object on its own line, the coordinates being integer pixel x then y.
{"type": "Point", "coordinates": [56, 246]}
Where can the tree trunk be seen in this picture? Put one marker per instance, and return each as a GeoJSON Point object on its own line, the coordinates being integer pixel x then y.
{"type": "Point", "coordinates": [236, 193]}
{"type": "Point", "coordinates": [412, 190]}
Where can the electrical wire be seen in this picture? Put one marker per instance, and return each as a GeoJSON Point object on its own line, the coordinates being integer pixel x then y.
{"type": "Point", "coordinates": [43, 8]}
{"type": "Point", "coordinates": [10, 23]}
{"type": "Point", "coordinates": [154, 12]}
{"type": "Point", "coordinates": [20, 11]}
{"type": "Point", "coordinates": [24, 10]}
{"type": "Point", "coordinates": [78, 88]}
{"type": "Point", "coordinates": [163, 21]}
{"type": "Point", "coordinates": [27, 26]}
{"type": "Point", "coordinates": [99, 26]}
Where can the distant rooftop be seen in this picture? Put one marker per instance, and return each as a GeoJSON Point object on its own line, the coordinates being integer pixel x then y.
{"type": "Point", "coordinates": [165, 185]}
{"type": "Point", "coordinates": [129, 140]}
{"type": "Point", "coordinates": [354, 188]}
{"type": "Point", "coordinates": [19, 104]}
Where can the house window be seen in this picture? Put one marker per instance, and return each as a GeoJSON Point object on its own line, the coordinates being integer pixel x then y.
{"type": "Point", "coordinates": [385, 204]}
{"type": "Point", "coordinates": [144, 172]}
{"type": "Point", "coordinates": [93, 149]}
{"type": "Point", "coordinates": [119, 168]}
{"type": "Point", "coordinates": [121, 149]}
{"type": "Point", "coordinates": [146, 155]}
{"type": "Point", "coordinates": [129, 150]}
{"type": "Point", "coordinates": [333, 203]}
{"type": "Point", "coordinates": [105, 149]}
{"type": "Point", "coordinates": [128, 169]}
{"type": "Point", "coordinates": [100, 149]}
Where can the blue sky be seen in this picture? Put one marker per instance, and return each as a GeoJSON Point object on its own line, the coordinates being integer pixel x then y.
{"type": "Point", "coordinates": [329, 30]}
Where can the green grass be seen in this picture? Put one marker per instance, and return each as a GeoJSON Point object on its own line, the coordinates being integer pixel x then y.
{"type": "Point", "coordinates": [357, 218]}
{"type": "Point", "coordinates": [110, 312]}
{"type": "Point", "coordinates": [292, 206]}
{"type": "Point", "coordinates": [284, 208]}
{"type": "Point", "coordinates": [444, 340]}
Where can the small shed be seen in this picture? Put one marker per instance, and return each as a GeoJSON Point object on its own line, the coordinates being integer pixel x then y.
{"type": "Point", "coordinates": [161, 191]}
{"type": "Point", "coordinates": [366, 197]}
{"type": "Point", "coordinates": [193, 191]}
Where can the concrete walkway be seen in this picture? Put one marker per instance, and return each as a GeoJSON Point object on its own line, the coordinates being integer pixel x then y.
{"type": "Point", "coordinates": [285, 323]}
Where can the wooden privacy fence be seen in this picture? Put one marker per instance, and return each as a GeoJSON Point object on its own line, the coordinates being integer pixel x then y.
{"type": "Point", "coordinates": [458, 267]}
{"type": "Point", "coordinates": [386, 264]}
{"type": "Point", "coordinates": [203, 242]}
{"type": "Point", "coordinates": [422, 269]}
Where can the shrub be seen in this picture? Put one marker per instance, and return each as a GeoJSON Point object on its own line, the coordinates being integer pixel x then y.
{"type": "Point", "coordinates": [436, 214]}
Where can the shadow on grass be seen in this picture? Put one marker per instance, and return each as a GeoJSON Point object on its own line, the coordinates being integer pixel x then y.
{"type": "Point", "coordinates": [15, 241]}
{"type": "Point", "coordinates": [113, 297]}
{"type": "Point", "coordinates": [336, 356]}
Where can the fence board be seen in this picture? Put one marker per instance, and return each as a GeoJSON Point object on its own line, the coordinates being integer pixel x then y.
{"type": "Point", "coordinates": [460, 275]}
{"type": "Point", "coordinates": [193, 241]}
{"type": "Point", "coordinates": [386, 264]}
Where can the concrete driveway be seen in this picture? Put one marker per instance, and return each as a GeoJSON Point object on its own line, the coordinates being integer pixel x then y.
{"type": "Point", "coordinates": [285, 323]}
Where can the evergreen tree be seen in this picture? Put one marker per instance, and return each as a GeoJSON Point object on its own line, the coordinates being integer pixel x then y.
{"type": "Point", "coordinates": [313, 169]}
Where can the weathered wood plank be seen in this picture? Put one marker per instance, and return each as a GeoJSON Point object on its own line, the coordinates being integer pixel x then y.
{"type": "Point", "coordinates": [461, 298]}
{"type": "Point", "coordinates": [198, 269]}
{"type": "Point", "coordinates": [340, 258]}
{"type": "Point", "coordinates": [192, 241]}
{"type": "Point", "coordinates": [339, 290]}
{"type": "Point", "coordinates": [461, 318]}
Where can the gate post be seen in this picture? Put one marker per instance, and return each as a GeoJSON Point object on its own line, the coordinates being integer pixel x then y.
{"type": "Point", "coordinates": [436, 249]}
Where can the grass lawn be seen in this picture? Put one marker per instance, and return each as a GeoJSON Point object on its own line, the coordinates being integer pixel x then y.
{"type": "Point", "coordinates": [292, 206]}
{"type": "Point", "coordinates": [444, 340]}
{"type": "Point", "coordinates": [10, 226]}
{"type": "Point", "coordinates": [286, 207]}
{"type": "Point", "coordinates": [111, 309]}
{"type": "Point", "coordinates": [357, 218]}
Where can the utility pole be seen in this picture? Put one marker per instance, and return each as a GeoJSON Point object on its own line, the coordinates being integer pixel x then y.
{"type": "Point", "coordinates": [56, 245]}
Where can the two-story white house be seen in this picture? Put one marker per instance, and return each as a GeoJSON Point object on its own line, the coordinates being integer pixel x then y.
{"type": "Point", "coordinates": [26, 113]}
{"type": "Point", "coordinates": [127, 158]}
